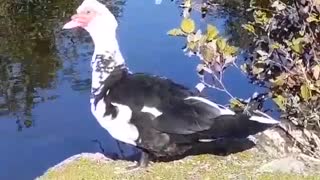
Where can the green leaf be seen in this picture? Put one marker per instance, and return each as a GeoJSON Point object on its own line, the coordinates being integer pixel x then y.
{"type": "Point", "coordinates": [313, 88]}
{"type": "Point", "coordinates": [175, 32]}
{"type": "Point", "coordinates": [202, 40]}
{"type": "Point", "coordinates": [313, 17]}
{"type": "Point", "coordinates": [296, 48]}
{"type": "Point", "coordinates": [207, 54]}
{"type": "Point", "coordinates": [249, 28]}
{"type": "Point", "coordinates": [234, 103]}
{"type": "Point", "coordinates": [221, 44]}
{"type": "Point", "coordinates": [305, 92]}
{"type": "Point", "coordinates": [230, 50]}
{"type": "Point", "coordinates": [192, 46]}
{"type": "Point", "coordinates": [187, 25]}
{"type": "Point", "coordinates": [212, 32]}
{"type": "Point", "coordinates": [296, 45]}
{"type": "Point", "coordinates": [187, 3]}
{"type": "Point", "coordinates": [280, 101]}
{"type": "Point", "coordinates": [261, 17]}
{"type": "Point", "coordinates": [275, 46]}
{"type": "Point", "coordinates": [279, 81]}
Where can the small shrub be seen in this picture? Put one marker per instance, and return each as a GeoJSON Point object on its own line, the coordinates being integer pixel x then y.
{"type": "Point", "coordinates": [284, 58]}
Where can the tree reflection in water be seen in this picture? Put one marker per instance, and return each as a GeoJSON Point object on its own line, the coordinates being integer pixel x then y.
{"type": "Point", "coordinates": [31, 53]}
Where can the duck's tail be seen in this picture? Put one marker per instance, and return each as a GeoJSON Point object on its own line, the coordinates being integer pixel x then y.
{"type": "Point", "coordinates": [227, 124]}
{"type": "Point", "coordinates": [240, 125]}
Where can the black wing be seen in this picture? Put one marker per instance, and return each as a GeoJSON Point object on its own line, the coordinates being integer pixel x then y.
{"type": "Point", "coordinates": [179, 115]}
{"type": "Point", "coordinates": [138, 90]}
{"type": "Point", "coordinates": [187, 117]}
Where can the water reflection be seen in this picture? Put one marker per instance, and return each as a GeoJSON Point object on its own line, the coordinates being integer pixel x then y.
{"type": "Point", "coordinates": [29, 53]}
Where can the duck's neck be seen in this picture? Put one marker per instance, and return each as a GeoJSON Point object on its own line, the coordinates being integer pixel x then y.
{"type": "Point", "coordinates": [106, 57]}
{"type": "Point", "coordinates": [107, 45]}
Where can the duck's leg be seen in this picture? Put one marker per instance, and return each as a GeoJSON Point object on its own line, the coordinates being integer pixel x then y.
{"type": "Point", "coordinates": [142, 163]}
{"type": "Point", "coordinates": [144, 159]}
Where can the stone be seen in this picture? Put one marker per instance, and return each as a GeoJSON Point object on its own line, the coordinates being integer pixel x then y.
{"type": "Point", "coordinates": [284, 165]}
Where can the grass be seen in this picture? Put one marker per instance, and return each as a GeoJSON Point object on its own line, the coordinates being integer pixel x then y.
{"type": "Point", "coordinates": [205, 167]}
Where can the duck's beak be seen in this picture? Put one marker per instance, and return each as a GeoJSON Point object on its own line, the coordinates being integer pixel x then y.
{"type": "Point", "coordinates": [78, 20]}
{"type": "Point", "coordinates": [71, 24]}
{"type": "Point", "coordinates": [74, 22]}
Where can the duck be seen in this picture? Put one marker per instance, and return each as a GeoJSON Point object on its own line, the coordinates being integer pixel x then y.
{"type": "Point", "coordinates": [156, 115]}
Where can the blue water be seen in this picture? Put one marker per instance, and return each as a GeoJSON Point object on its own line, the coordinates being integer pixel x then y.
{"type": "Point", "coordinates": [63, 126]}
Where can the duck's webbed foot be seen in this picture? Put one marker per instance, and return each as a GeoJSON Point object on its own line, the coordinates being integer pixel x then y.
{"type": "Point", "coordinates": [142, 163]}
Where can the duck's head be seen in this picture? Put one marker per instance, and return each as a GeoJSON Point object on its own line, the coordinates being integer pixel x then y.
{"type": "Point", "coordinates": [94, 17]}
{"type": "Point", "coordinates": [101, 24]}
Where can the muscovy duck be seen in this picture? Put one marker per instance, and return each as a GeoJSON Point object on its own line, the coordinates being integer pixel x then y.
{"type": "Point", "coordinates": [155, 114]}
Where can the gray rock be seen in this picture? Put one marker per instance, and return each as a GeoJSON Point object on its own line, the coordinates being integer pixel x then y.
{"type": "Point", "coordinates": [285, 165]}
{"type": "Point", "coordinates": [93, 156]}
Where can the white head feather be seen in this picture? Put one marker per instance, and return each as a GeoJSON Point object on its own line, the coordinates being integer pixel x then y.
{"type": "Point", "coordinates": [101, 24]}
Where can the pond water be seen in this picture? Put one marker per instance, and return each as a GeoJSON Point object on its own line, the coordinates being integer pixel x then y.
{"type": "Point", "coordinates": [45, 77]}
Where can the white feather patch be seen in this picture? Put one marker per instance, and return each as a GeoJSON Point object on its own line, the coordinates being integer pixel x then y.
{"type": "Point", "coordinates": [223, 111]}
{"type": "Point", "coordinates": [252, 139]}
{"type": "Point", "coordinates": [206, 140]}
{"type": "Point", "coordinates": [152, 110]}
{"type": "Point", "coordinates": [264, 120]}
{"type": "Point", "coordinates": [120, 127]}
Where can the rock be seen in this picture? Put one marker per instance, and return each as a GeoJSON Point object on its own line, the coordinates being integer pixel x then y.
{"type": "Point", "coordinates": [284, 165]}
{"type": "Point", "coordinates": [98, 157]}
{"type": "Point", "coordinates": [289, 139]}
{"type": "Point", "coordinates": [96, 167]}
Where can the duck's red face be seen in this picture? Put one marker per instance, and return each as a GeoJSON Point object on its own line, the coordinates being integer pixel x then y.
{"type": "Point", "coordinates": [95, 18]}
{"type": "Point", "coordinates": [81, 19]}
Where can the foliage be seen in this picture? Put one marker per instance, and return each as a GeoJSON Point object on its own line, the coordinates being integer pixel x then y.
{"type": "Point", "coordinates": [285, 57]}
{"type": "Point", "coordinates": [215, 52]}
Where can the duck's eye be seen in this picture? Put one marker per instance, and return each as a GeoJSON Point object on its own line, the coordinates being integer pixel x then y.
{"type": "Point", "coordinates": [88, 12]}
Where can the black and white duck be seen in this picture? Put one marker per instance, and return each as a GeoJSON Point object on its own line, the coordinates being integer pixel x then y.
{"type": "Point", "coordinates": [155, 114]}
